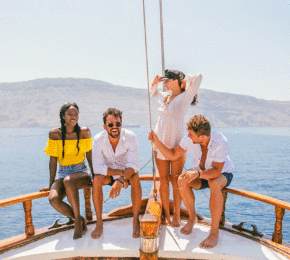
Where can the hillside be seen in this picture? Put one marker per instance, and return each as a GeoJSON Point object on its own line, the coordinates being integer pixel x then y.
{"type": "Point", "coordinates": [36, 103]}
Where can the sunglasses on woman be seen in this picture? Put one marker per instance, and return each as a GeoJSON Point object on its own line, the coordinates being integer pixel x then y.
{"type": "Point", "coordinates": [117, 124]}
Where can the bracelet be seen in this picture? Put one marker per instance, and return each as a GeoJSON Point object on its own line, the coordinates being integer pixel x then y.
{"type": "Point", "coordinates": [120, 182]}
{"type": "Point", "coordinates": [198, 174]}
{"type": "Point", "coordinates": [123, 178]}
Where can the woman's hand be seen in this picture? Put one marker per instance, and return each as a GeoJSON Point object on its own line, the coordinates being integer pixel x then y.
{"type": "Point", "coordinates": [156, 80]}
{"type": "Point", "coordinates": [153, 137]}
{"type": "Point", "coordinates": [45, 189]}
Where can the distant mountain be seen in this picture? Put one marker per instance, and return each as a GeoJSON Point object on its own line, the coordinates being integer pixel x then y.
{"type": "Point", "coordinates": [36, 103]}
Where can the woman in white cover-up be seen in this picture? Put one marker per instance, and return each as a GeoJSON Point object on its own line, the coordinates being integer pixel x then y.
{"type": "Point", "coordinates": [170, 128]}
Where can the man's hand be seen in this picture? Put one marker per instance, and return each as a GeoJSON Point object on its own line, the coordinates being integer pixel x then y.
{"type": "Point", "coordinates": [45, 189]}
{"type": "Point", "coordinates": [153, 137]}
{"type": "Point", "coordinates": [189, 176]}
{"type": "Point", "coordinates": [116, 189]}
{"type": "Point", "coordinates": [126, 184]}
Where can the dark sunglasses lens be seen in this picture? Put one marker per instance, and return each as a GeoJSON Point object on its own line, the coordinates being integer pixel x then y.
{"type": "Point", "coordinates": [118, 124]}
{"type": "Point", "coordinates": [110, 125]}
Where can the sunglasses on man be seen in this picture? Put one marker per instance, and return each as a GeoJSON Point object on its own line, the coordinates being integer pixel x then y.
{"type": "Point", "coordinates": [117, 124]}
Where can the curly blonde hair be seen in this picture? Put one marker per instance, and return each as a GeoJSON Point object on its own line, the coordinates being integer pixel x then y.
{"type": "Point", "coordinates": [200, 125]}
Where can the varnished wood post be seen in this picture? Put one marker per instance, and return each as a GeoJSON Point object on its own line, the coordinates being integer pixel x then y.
{"type": "Point", "coordinates": [223, 216]}
{"type": "Point", "coordinates": [277, 235]}
{"type": "Point", "coordinates": [150, 226]}
{"type": "Point", "coordinates": [29, 228]}
{"type": "Point", "coordinates": [87, 194]}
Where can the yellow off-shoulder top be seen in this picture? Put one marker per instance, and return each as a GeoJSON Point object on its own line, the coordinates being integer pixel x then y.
{"type": "Point", "coordinates": [71, 154]}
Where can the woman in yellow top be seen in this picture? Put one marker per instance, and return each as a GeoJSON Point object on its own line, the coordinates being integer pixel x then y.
{"type": "Point", "coordinates": [69, 145]}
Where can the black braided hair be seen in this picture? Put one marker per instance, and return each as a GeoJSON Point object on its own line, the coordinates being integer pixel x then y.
{"type": "Point", "coordinates": [77, 128]}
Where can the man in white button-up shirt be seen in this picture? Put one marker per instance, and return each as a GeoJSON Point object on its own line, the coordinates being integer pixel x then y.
{"type": "Point", "coordinates": [212, 168]}
{"type": "Point", "coordinates": [115, 162]}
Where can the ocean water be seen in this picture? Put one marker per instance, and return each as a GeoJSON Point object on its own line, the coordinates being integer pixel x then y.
{"type": "Point", "coordinates": [261, 157]}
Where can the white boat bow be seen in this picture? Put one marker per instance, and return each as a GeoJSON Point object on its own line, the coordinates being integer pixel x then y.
{"type": "Point", "coordinates": [117, 241]}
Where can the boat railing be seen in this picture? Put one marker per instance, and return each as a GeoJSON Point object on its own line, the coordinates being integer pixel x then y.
{"type": "Point", "coordinates": [27, 199]}
{"type": "Point", "coordinates": [27, 206]}
{"type": "Point", "coordinates": [280, 206]}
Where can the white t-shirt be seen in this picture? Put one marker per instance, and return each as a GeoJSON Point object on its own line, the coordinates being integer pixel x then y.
{"type": "Point", "coordinates": [218, 151]}
{"type": "Point", "coordinates": [125, 156]}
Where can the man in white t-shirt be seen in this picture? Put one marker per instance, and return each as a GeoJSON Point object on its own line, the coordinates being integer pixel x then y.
{"type": "Point", "coordinates": [115, 160]}
{"type": "Point", "coordinates": [212, 168]}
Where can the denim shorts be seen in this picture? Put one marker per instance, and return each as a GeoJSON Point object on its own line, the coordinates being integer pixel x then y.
{"type": "Point", "coordinates": [64, 171]}
{"type": "Point", "coordinates": [228, 175]}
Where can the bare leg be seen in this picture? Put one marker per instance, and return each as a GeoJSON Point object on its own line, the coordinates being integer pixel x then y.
{"type": "Point", "coordinates": [136, 196]}
{"type": "Point", "coordinates": [56, 195]}
{"type": "Point", "coordinates": [163, 169]}
{"type": "Point", "coordinates": [99, 181]}
{"type": "Point", "coordinates": [216, 207]}
{"type": "Point", "coordinates": [72, 184]}
{"type": "Point", "coordinates": [188, 198]}
{"type": "Point", "coordinates": [176, 170]}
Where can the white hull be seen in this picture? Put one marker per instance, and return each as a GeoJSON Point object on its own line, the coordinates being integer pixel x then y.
{"type": "Point", "coordinates": [117, 241]}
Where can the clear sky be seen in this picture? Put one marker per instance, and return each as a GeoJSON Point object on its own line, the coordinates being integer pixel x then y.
{"type": "Point", "coordinates": [239, 46]}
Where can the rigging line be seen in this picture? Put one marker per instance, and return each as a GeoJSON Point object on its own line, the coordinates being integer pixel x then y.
{"type": "Point", "coordinates": [162, 40]}
{"type": "Point", "coordinates": [147, 69]}
{"type": "Point", "coordinates": [201, 190]}
{"type": "Point", "coordinates": [139, 171]}
{"type": "Point", "coordinates": [145, 165]}
{"type": "Point", "coordinates": [204, 192]}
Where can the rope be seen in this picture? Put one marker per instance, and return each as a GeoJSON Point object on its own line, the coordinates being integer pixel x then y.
{"type": "Point", "coordinates": [139, 171]}
{"type": "Point", "coordinates": [145, 164]}
{"type": "Point", "coordinates": [204, 194]}
{"type": "Point", "coordinates": [149, 103]}
{"type": "Point", "coordinates": [201, 190]}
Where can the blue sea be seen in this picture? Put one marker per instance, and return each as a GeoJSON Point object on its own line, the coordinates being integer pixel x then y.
{"type": "Point", "coordinates": [261, 157]}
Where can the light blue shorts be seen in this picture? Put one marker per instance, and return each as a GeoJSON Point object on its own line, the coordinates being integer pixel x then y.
{"type": "Point", "coordinates": [64, 171]}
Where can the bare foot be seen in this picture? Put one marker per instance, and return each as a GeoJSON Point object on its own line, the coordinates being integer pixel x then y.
{"type": "Point", "coordinates": [136, 228]}
{"type": "Point", "coordinates": [175, 221]}
{"type": "Point", "coordinates": [98, 230]}
{"type": "Point", "coordinates": [187, 229]}
{"type": "Point", "coordinates": [84, 225]}
{"type": "Point", "coordinates": [78, 228]}
{"type": "Point", "coordinates": [210, 241]}
{"type": "Point", "coordinates": [166, 221]}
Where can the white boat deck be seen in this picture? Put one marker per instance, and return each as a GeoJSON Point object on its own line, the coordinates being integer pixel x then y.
{"type": "Point", "coordinates": [117, 241]}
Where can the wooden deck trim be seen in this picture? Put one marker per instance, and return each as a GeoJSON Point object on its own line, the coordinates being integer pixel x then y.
{"type": "Point", "coordinates": [264, 198]}
{"type": "Point", "coordinates": [22, 240]}
{"type": "Point", "coordinates": [280, 207]}
{"type": "Point", "coordinates": [41, 194]}
{"type": "Point", "coordinates": [23, 198]}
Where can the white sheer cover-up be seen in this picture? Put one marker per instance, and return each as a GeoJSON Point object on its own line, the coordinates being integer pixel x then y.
{"type": "Point", "coordinates": [170, 127]}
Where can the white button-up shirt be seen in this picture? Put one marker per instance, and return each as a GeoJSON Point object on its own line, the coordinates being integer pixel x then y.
{"type": "Point", "coordinates": [218, 150]}
{"type": "Point", "coordinates": [125, 156]}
